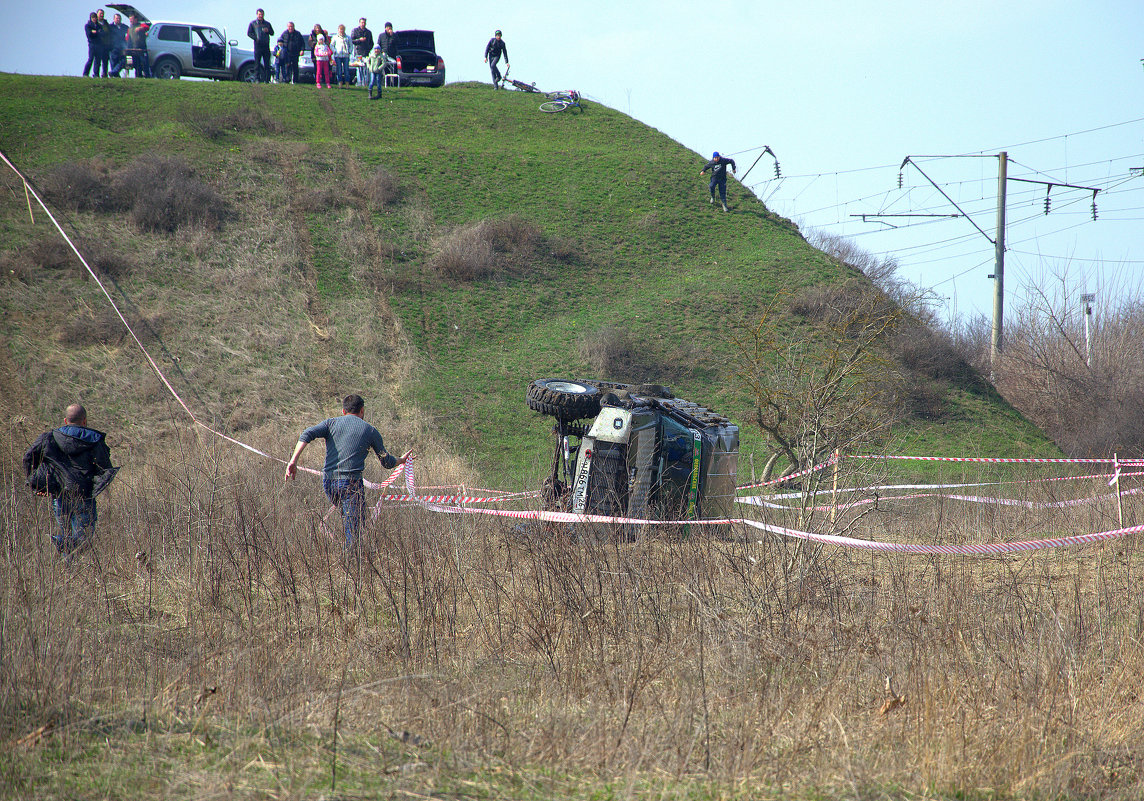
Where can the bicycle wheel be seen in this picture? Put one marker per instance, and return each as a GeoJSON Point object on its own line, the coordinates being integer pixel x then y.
{"type": "Point", "coordinates": [553, 106]}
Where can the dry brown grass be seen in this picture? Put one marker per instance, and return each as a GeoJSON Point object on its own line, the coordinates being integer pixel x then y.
{"type": "Point", "coordinates": [753, 662]}
{"type": "Point", "coordinates": [486, 249]}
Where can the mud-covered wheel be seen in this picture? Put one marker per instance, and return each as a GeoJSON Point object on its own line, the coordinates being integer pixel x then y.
{"type": "Point", "coordinates": [564, 399]}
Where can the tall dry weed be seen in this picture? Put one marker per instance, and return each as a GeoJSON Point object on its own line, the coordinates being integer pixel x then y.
{"type": "Point", "coordinates": [213, 594]}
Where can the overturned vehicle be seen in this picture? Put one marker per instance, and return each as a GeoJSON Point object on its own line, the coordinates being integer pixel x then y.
{"type": "Point", "coordinates": [636, 451]}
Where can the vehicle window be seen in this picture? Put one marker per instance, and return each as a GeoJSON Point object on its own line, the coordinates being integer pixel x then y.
{"type": "Point", "coordinates": [174, 33]}
{"type": "Point", "coordinates": [209, 36]}
{"type": "Point", "coordinates": [415, 39]}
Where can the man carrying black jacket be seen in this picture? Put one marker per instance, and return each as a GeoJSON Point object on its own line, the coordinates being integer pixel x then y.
{"type": "Point", "coordinates": [260, 31]}
{"type": "Point", "coordinates": [72, 464]}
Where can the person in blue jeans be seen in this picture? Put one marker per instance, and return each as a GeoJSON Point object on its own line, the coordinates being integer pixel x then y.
{"type": "Point", "coordinates": [349, 439]}
{"type": "Point", "coordinates": [72, 464]}
{"type": "Point", "coordinates": [718, 166]}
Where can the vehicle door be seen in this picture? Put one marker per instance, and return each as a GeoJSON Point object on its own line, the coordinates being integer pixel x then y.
{"type": "Point", "coordinates": [208, 51]}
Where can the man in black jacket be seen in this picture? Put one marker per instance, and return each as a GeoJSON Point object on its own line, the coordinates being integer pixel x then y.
{"type": "Point", "coordinates": [493, 51]}
{"type": "Point", "coordinates": [260, 31]}
{"type": "Point", "coordinates": [105, 35]}
{"type": "Point", "coordinates": [292, 44]}
{"type": "Point", "coordinates": [362, 38]}
{"type": "Point", "coordinates": [718, 166]}
{"type": "Point", "coordinates": [118, 45]}
{"type": "Point", "coordinates": [72, 464]}
{"type": "Point", "coordinates": [94, 34]}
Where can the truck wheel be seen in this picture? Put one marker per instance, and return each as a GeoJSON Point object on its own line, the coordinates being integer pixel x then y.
{"type": "Point", "coordinates": [167, 68]}
{"type": "Point", "coordinates": [248, 73]}
{"type": "Point", "coordinates": [564, 399]}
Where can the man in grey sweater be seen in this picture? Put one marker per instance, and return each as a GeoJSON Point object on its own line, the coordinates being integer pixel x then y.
{"type": "Point", "coordinates": [349, 439]}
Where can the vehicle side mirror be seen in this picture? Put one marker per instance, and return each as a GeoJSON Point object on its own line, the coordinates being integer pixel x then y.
{"type": "Point", "coordinates": [233, 43]}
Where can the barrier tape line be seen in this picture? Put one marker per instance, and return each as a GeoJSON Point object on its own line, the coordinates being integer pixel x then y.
{"type": "Point", "coordinates": [407, 468]}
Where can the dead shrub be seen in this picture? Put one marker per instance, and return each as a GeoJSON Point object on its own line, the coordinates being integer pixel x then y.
{"type": "Point", "coordinates": [563, 249]}
{"type": "Point", "coordinates": [321, 199]}
{"type": "Point", "coordinates": [486, 248]}
{"type": "Point", "coordinates": [246, 119]}
{"type": "Point", "coordinates": [101, 328]}
{"type": "Point", "coordinates": [14, 266]}
{"type": "Point", "coordinates": [924, 400]}
{"type": "Point", "coordinates": [465, 255]}
{"type": "Point", "coordinates": [615, 354]}
{"type": "Point", "coordinates": [49, 253]}
{"type": "Point", "coordinates": [610, 353]}
{"type": "Point", "coordinates": [929, 353]}
{"type": "Point", "coordinates": [164, 195]}
{"type": "Point", "coordinates": [80, 186]}
{"type": "Point", "coordinates": [381, 189]}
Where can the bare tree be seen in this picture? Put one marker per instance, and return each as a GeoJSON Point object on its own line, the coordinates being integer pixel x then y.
{"type": "Point", "coordinates": [823, 383]}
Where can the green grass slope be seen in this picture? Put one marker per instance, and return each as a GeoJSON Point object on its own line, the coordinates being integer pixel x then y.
{"type": "Point", "coordinates": [309, 290]}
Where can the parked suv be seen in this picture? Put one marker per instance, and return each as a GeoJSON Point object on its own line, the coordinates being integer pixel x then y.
{"type": "Point", "coordinates": [177, 49]}
{"type": "Point", "coordinates": [415, 60]}
{"type": "Point", "coordinates": [637, 452]}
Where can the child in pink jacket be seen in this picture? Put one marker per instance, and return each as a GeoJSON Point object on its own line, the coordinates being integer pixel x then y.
{"type": "Point", "coordinates": [323, 57]}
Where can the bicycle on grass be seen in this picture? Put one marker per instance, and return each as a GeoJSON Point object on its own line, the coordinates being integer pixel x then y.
{"type": "Point", "coordinates": [558, 101]}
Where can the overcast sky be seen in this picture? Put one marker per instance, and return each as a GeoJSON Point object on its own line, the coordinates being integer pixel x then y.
{"type": "Point", "coordinates": [841, 91]}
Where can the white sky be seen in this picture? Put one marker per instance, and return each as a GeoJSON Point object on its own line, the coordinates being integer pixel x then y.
{"type": "Point", "coordinates": [836, 89]}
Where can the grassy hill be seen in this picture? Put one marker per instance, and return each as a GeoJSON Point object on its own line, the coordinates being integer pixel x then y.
{"type": "Point", "coordinates": [434, 251]}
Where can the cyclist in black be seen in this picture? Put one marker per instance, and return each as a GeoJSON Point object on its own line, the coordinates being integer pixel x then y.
{"type": "Point", "coordinates": [493, 51]}
{"type": "Point", "coordinates": [718, 167]}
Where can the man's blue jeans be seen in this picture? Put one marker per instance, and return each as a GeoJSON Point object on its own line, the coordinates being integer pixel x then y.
{"type": "Point", "coordinates": [76, 518]}
{"type": "Point", "coordinates": [348, 494]}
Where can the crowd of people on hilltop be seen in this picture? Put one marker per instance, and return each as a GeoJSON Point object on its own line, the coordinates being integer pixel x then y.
{"type": "Point", "coordinates": [109, 44]}
{"type": "Point", "coordinates": [334, 57]}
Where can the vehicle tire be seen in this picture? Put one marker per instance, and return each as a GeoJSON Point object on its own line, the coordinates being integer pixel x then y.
{"type": "Point", "coordinates": [552, 106]}
{"type": "Point", "coordinates": [167, 68]}
{"type": "Point", "coordinates": [564, 399]}
{"type": "Point", "coordinates": [248, 73]}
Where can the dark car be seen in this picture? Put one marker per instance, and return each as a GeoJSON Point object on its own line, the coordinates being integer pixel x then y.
{"type": "Point", "coordinates": [415, 60]}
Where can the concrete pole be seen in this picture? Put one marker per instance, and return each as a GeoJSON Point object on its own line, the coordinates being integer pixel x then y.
{"type": "Point", "coordinates": [999, 264]}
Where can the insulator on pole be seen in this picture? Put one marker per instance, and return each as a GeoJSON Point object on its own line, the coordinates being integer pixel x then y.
{"type": "Point", "coordinates": [778, 172]}
{"type": "Point", "coordinates": [1048, 200]}
{"type": "Point", "coordinates": [899, 179]}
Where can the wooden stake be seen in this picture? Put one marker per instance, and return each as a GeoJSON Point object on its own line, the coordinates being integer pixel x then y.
{"type": "Point", "coordinates": [834, 493]}
{"type": "Point", "coordinates": [1116, 478]}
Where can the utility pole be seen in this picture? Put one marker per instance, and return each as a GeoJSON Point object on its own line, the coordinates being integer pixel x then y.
{"type": "Point", "coordinates": [1087, 300]}
{"type": "Point", "coordinates": [995, 342]}
{"type": "Point", "coordinates": [998, 241]}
